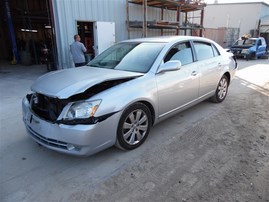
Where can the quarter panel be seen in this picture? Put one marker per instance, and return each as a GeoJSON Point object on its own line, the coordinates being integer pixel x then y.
{"type": "Point", "coordinates": [210, 70]}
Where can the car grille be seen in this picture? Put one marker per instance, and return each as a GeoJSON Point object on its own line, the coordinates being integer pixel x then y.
{"type": "Point", "coordinates": [47, 141]}
{"type": "Point", "coordinates": [46, 107]}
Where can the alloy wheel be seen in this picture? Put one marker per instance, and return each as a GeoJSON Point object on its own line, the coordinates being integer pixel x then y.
{"type": "Point", "coordinates": [222, 88]}
{"type": "Point", "coordinates": [135, 127]}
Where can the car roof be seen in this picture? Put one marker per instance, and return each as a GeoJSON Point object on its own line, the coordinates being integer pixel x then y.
{"type": "Point", "coordinates": [166, 39]}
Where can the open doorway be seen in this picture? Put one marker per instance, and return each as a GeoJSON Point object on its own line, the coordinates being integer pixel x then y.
{"type": "Point", "coordinates": [96, 36]}
{"type": "Point", "coordinates": [86, 32]}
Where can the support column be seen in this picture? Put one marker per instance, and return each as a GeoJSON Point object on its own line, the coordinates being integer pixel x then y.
{"type": "Point", "coordinates": [128, 18]}
{"type": "Point", "coordinates": [11, 31]}
{"type": "Point", "coordinates": [145, 18]}
{"type": "Point", "coordinates": [186, 20]}
{"type": "Point", "coordinates": [161, 19]}
{"type": "Point", "coordinates": [178, 18]}
{"type": "Point", "coordinates": [202, 22]}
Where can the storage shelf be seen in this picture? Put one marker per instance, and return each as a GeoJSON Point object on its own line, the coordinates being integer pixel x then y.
{"type": "Point", "coordinates": [180, 6]}
{"type": "Point", "coordinates": [186, 5]}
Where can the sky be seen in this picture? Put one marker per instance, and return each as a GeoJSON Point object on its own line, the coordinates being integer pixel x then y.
{"type": "Point", "coordinates": [235, 1]}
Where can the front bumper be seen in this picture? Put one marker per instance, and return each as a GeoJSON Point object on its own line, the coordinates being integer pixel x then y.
{"type": "Point", "coordinates": [244, 54]}
{"type": "Point", "coordinates": [240, 53]}
{"type": "Point", "coordinates": [81, 140]}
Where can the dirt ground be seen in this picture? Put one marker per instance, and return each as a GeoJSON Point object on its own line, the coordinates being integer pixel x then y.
{"type": "Point", "coordinates": [223, 157]}
{"type": "Point", "coordinates": [211, 152]}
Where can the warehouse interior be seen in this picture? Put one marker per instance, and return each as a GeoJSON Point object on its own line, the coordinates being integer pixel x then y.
{"type": "Point", "coordinates": [27, 35]}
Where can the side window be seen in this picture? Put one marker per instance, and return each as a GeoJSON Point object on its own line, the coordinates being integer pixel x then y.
{"type": "Point", "coordinates": [181, 52]}
{"type": "Point", "coordinates": [215, 51]}
{"type": "Point", "coordinates": [259, 42]}
{"type": "Point", "coordinates": [203, 50]}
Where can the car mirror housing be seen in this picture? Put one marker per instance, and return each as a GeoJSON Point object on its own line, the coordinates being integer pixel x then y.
{"type": "Point", "coordinates": [172, 65]}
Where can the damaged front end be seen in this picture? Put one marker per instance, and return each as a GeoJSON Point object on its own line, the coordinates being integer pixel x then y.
{"type": "Point", "coordinates": [73, 110]}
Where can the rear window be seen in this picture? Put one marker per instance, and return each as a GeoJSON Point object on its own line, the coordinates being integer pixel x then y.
{"type": "Point", "coordinates": [203, 50]}
{"type": "Point", "coordinates": [215, 50]}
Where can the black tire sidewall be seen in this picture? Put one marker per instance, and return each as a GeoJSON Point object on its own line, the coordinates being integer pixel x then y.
{"type": "Point", "coordinates": [124, 115]}
{"type": "Point", "coordinates": [217, 96]}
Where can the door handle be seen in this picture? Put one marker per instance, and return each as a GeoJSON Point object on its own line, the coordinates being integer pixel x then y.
{"type": "Point", "coordinates": [219, 65]}
{"type": "Point", "coordinates": [194, 73]}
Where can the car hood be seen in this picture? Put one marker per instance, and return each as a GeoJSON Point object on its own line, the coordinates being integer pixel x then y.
{"type": "Point", "coordinates": [65, 83]}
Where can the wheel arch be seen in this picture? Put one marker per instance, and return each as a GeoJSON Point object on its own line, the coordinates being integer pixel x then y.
{"type": "Point", "coordinates": [151, 109]}
{"type": "Point", "coordinates": [228, 75]}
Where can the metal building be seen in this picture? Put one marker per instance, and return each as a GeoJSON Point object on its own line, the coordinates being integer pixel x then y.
{"type": "Point", "coordinates": [245, 16]}
{"type": "Point", "coordinates": [45, 28]}
{"type": "Point", "coordinates": [104, 22]}
{"type": "Point", "coordinates": [100, 22]}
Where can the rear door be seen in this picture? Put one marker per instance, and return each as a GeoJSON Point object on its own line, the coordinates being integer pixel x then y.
{"type": "Point", "coordinates": [178, 88]}
{"type": "Point", "coordinates": [208, 61]}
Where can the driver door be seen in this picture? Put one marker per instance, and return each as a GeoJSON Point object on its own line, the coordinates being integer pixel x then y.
{"type": "Point", "coordinates": [177, 89]}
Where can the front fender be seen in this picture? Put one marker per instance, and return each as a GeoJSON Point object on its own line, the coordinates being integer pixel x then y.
{"type": "Point", "coordinates": [118, 98]}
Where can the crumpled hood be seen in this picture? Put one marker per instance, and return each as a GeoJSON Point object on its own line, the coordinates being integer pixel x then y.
{"type": "Point", "coordinates": [65, 83]}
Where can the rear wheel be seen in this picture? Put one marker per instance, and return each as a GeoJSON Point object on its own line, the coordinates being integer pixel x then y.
{"type": "Point", "coordinates": [221, 91]}
{"type": "Point", "coordinates": [133, 127]}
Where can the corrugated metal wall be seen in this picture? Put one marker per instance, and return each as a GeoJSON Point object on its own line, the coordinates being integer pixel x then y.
{"type": "Point", "coordinates": [68, 12]}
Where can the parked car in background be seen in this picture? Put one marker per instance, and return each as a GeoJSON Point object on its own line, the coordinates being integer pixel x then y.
{"type": "Point", "coordinates": [250, 48]}
{"type": "Point", "coordinates": [124, 91]}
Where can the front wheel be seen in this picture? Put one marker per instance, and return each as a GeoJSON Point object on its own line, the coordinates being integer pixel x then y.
{"type": "Point", "coordinates": [133, 127]}
{"type": "Point", "coordinates": [221, 90]}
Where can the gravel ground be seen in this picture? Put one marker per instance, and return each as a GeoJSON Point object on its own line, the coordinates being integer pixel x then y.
{"type": "Point", "coordinates": [223, 157]}
{"type": "Point", "coordinates": [211, 152]}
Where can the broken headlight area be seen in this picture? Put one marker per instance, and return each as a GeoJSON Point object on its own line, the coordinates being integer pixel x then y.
{"type": "Point", "coordinates": [49, 109]}
{"type": "Point", "coordinates": [81, 109]}
{"type": "Point", "coordinates": [85, 121]}
{"type": "Point", "coordinates": [45, 107]}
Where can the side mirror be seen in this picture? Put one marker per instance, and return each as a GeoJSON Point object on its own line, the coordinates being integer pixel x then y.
{"type": "Point", "coordinates": [172, 65]}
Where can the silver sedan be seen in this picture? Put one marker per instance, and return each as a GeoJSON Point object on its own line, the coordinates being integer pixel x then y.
{"type": "Point", "coordinates": [123, 92]}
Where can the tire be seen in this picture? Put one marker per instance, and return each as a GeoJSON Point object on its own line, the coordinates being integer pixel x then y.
{"type": "Point", "coordinates": [221, 91]}
{"type": "Point", "coordinates": [133, 127]}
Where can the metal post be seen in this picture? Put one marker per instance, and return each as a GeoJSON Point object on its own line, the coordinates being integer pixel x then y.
{"type": "Point", "coordinates": [11, 31]}
{"type": "Point", "coordinates": [259, 28]}
{"type": "Point", "coordinates": [186, 21]}
{"type": "Point", "coordinates": [128, 18]}
{"type": "Point", "coordinates": [161, 19]}
{"type": "Point", "coordinates": [202, 22]}
{"type": "Point", "coordinates": [145, 18]}
{"type": "Point", "coordinates": [178, 19]}
{"type": "Point", "coordinates": [54, 42]}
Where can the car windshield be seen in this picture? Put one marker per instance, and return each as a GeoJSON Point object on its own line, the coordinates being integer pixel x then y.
{"type": "Point", "coordinates": [134, 57]}
{"type": "Point", "coordinates": [247, 42]}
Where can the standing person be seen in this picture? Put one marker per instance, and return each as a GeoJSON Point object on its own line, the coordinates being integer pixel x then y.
{"type": "Point", "coordinates": [77, 50]}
